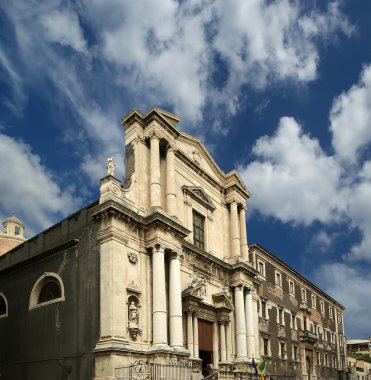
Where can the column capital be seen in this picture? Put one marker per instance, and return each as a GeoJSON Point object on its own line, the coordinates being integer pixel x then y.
{"type": "Point", "coordinates": [155, 247]}
{"type": "Point", "coordinates": [223, 320]}
{"type": "Point", "coordinates": [154, 134]}
{"type": "Point", "coordinates": [249, 290]}
{"type": "Point", "coordinates": [171, 145]}
{"type": "Point", "coordinates": [188, 309]}
{"type": "Point", "coordinates": [174, 255]}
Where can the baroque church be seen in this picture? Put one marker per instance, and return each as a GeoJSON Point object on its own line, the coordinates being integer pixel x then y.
{"type": "Point", "coordinates": [156, 280]}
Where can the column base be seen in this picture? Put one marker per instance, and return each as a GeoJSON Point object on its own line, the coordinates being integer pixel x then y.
{"type": "Point", "coordinates": [161, 347]}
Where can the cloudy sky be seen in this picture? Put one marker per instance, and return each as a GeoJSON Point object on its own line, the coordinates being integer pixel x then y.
{"type": "Point", "coordinates": [280, 90]}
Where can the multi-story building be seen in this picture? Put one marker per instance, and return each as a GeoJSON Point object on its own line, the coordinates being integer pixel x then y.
{"type": "Point", "coordinates": [156, 280]}
{"type": "Point", "coordinates": [359, 358]}
{"type": "Point", "coordinates": [301, 328]}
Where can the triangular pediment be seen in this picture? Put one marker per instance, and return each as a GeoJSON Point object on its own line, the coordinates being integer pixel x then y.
{"type": "Point", "coordinates": [222, 300]}
{"type": "Point", "coordinates": [199, 195]}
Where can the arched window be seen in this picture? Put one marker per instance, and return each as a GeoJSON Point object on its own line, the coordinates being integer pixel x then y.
{"type": "Point", "coordinates": [47, 289]}
{"type": "Point", "coordinates": [3, 306]}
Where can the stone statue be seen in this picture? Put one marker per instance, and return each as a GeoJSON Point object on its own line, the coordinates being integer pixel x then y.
{"type": "Point", "coordinates": [133, 313]}
{"type": "Point", "coordinates": [110, 166]}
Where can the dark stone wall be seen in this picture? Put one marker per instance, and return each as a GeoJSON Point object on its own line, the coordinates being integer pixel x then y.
{"type": "Point", "coordinates": [281, 296]}
{"type": "Point", "coordinates": [54, 341]}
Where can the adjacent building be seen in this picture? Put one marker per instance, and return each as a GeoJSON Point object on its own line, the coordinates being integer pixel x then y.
{"type": "Point", "coordinates": [156, 280]}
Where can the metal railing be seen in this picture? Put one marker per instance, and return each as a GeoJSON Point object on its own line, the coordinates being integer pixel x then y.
{"type": "Point", "coordinates": [141, 370]}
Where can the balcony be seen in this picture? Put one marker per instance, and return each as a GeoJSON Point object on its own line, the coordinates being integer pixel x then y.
{"type": "Point", "coordinates": [307, 337]}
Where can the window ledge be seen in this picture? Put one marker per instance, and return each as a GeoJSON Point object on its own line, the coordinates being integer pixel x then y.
{"type": "Point", "coordinates": [60, 299]}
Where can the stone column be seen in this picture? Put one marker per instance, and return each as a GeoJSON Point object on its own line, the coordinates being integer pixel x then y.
{"type": "Point", "coordinates": [195, 334]}
{"type": "Point", "coordinates": [243, 235]}
{"type": "Point", "coordinates": [240, 323]}
{"type": "Point", "coordinates": [215, 346]}
{"type": "Point", "coordinates": [228, 340]}
{"type": "Point", "coordinates": [159, 314]}
{"type": "Point", "coordinates": [189, 312]}
{"type": "Point", "coordinates": [170, 181]}
{"type": "Point", "coordinates": [223, 349]}
{"type": "Point", "coordinates": [235, 235]}
{"type": "Point", "coordinates": [249, 315]}
{"type": "Point", "coordinates": [175, 302]}
{"type": "Point", "coordinates": [155, 171]}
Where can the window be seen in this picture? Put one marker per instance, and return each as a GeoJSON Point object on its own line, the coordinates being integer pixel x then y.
{"type": "Point", "coordinates": [340, 319]}
{"type": "Point", "coordinates": [198, 230]}
{"type": "Point", "coordinates": [3, 306]}
{"type": "Point", "coordinates": [295, 353]}
{"type": "Point", "coordinates": [326, 360]}
{"type": "Point", "coordinates": [266, 346]}
{"type": "Point", "coordinates": [261, 268]}
{"type": "Point", "coordinates": [293, 321]}
{"type": "Point", "coordinates": [291, 287]}
{"type": "Point", "coordinates": [314, 301]}
{"type": "Point", "coordinates": [278, 279]}
{"type": "Point", "coordinates": [47, 289]}
{"type": "Point", "coordinates": [322, 307]}
{"type": "Point", "coordinates": [17, 230]}
{"type": "Point", "coordinates": [282, 350]}
{"type": "Point", "coordinates": [330, 312]}
{"type": "Point", "coordinates": [50, 291]}
{"type": "Point", "coordinates": [281, 318]}
{"type": "Point", "coordinates": [303, 295]}
{"type": "Point", "coordinates": [264, 308]}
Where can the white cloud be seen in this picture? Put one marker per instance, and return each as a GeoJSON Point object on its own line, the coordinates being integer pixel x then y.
{"type": "Point", "coordinates": [351, 287]}
{"type": "Point", "coordinates": [14, 81]}
{"type": "Point", "coordinates": [292, 179]}
{"type": "Point", "coordinates": [350, 118]}
{"type": "Point", "coordinates": [63, 27]}
{"type": "Point", "coordinates": [320, 242]}
{"type": "Point", "coordinates": [28, 188]}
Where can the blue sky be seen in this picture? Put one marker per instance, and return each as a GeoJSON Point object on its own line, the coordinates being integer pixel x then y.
{"type": "Point", "coordinates": [280, 90]}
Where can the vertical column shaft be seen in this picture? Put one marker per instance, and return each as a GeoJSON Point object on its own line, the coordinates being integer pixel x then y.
{"type": "Point", "coordinates": [215, 346]}
{"type": "Point", "coordinates": [170, 182]}
{"type": "Point", "coordinates": [195, 335]}
{"type": "Point", "coordinates": [243, 235]}
{"type": "Point", "coordinates": [155, 172]}
{"type": "Point", "coordinates": [228, 341]}
{"type": "Point", "coordinates": [223, 350]}
{"type": "Point", "coordinates": [175, 303]}
{"type": "Point", "coordinates": [240, 323]}
{"type": "Point", "coordinates": [159, 314]}
{"type": "Point", "coordinates": [250, 331]}
{"type": "Point", "coordinates": [190, 332]}
{"type": "Point", "coordinates": [235, 235]}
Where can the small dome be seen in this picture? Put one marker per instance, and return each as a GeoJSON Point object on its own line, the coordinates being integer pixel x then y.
{"type": "Point", "coordinates": [13, 219]}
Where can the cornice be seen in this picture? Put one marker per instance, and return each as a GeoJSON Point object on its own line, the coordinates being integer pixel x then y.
{"type": "Point", "coordinates": [155, 218]}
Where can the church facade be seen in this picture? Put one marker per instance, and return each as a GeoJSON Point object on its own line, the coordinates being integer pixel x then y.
{"type": "Point", "coordinates": [155, 280]}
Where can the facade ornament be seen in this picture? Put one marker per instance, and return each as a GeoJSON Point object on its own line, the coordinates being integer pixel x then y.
{"type": "Point", "coordinates": [133, 314]}
{"type": "Point", "coordinates": [199, 283]}
{"type": "Point", "coordinates": [196, 156]}
{"type": "Point", "coordinates": [133, 257]}
{"type": "Point", "coordinates": [110, 166]}
{"type": "Point", "coordinates": [133, 317]}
